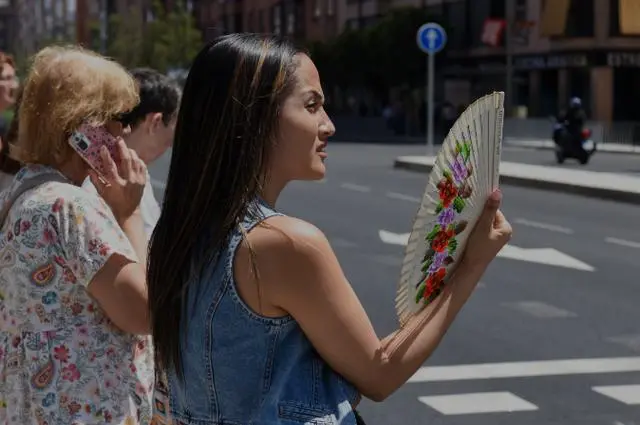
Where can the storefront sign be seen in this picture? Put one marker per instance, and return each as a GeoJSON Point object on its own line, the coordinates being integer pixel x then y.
{"type": "Point", "coordinates": [623, 59]}
{"type": "Point", "coordinates": [577, 60]}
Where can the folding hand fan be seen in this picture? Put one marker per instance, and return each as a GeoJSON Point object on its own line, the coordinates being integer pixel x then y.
{"type": "Point", "coordinates": [465, 172]}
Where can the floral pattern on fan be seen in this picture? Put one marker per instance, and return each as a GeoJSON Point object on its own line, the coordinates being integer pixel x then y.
{"type": "Point", "coordinates": [453, 190]}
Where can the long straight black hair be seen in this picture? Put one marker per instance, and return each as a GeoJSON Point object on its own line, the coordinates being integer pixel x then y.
{"type": "Point", "coordinates": [224, 135]}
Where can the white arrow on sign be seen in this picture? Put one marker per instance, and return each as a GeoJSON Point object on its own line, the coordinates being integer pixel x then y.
{"type": "Point", "coordinates": [432, 36]}
{"type": "Point", "coordinates": [548, 256]}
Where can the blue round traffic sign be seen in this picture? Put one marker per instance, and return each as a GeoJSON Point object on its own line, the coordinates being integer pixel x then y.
{"type": "Point", "coordinates": [431, 38]}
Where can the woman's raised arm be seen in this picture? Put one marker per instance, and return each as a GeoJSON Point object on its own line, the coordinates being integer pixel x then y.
{"type": "Point", "coordinates": [300, 274]}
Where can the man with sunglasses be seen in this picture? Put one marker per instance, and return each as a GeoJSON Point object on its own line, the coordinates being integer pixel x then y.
{"type": "Point", "coordinates": [152, 124]}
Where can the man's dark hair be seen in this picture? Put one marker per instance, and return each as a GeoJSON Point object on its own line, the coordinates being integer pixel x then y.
{"type": "Point", "coordinates": [158, 93]}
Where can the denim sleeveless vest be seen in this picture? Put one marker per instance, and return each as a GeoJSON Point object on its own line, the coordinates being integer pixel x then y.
{"type": "Point", "coordinates": [241, 368]}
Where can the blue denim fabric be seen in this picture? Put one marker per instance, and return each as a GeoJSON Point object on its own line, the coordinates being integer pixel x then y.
{"type": "Point", "coordinates": [241, 368]}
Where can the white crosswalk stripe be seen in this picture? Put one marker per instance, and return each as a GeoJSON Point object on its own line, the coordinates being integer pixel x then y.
{"type": "Point", "coordinates": [474, 403]}
{"type": "Point", "coordinates": [502, 400]}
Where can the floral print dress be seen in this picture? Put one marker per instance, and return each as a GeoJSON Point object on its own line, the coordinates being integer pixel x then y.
{"type": "Point", "coordinates": [62, 361]}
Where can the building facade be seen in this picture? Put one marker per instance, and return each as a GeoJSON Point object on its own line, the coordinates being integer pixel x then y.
{"type": "Point", "coordinates": [8, 24]}
{"type": "Point", "coordinates": [301, 19]}
{"type": "Point", "coordinates": [558, 49]}
{"type": "Point", "coordinates": [35, 21]}
{"type": "Point", "coordinates": [26, 25]}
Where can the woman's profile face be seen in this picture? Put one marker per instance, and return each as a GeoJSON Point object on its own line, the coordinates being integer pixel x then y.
{"type": "Point", "coordinates": [304, 128]}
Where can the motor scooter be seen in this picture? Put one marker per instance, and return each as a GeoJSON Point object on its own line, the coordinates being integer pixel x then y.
{"type": "Point", "coordinates": [566, 147]}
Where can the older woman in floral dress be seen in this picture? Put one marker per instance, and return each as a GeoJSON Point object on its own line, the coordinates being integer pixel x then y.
{"type": "Point", "coordinates": [73, 323]}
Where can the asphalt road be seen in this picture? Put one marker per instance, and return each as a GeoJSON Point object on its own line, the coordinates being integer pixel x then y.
{"type": "Point", "coordinates": [600, 162]}
{"type": "Point", "coordinates": [555, 316]}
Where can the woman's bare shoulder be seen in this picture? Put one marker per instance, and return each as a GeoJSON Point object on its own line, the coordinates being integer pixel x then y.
{"type": "Point", "coordinates": [287, 235]}
{"type": "Point", "coordinates": [285, 252]}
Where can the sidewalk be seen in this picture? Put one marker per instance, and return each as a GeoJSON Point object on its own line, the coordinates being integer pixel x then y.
{"type": "Point", "coordinates": [610, 186]}
{"type": "Point", "coordinates": [508, 141]}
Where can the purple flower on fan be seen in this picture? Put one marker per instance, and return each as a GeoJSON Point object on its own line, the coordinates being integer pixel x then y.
{"type": "Point", "coordinates": [446, 216]}
{"type": "Point", "coordinates": [438, 261]}
{"type": "Point", "coordinates": [459, 170]}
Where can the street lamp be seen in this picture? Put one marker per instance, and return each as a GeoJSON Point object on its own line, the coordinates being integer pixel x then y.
{"type": "Point", "coordinates": [508, 46]}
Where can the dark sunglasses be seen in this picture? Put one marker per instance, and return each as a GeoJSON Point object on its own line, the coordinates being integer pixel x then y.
{"type": "Point", "coordinates": [122, 119]}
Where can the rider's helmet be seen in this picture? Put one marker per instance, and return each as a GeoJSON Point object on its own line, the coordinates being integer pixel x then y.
{"type": "Point", "coordinates": [575, 102]}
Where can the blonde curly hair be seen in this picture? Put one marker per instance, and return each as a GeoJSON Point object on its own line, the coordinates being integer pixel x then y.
{"type": "Point", "coordinates": [66, 86]}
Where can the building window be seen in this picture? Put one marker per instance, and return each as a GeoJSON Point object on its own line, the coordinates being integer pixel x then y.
{"type": "Point", "coordinates": [497, 9]}
{"type": "Point", "coordinates": [277, 22]}
{"type": "Point", "coordinates": [291, 22]}
{"type": "Point", "coordinates": [237, 25]}
{"type": "Point", "coordinates": [624, 18]}
{"type": "Point", "coordinates": [580, 19]}
{"type": "Point", "coordinates": [317, 8]}
{"type": "Point", "coordinates": [521, 9]}
{"type": "Point", "coordinates": [553, 19]}
{"type": "Point", "coordinates": [223, 28]}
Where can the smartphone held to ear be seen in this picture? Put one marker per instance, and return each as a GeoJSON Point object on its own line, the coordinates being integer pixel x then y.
{"type": "Point", "coordinates": [88, 140]}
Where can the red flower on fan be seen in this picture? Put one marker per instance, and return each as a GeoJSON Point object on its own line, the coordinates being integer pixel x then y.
{"type": "Point", "coordinates": [447, 192]}
{"type": "Point", "coordinates": [441, 240]}
{"type": "Point", "coordinates": [433, 282]}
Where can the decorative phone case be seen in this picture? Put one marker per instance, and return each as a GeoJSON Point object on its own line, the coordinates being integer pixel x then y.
{"type": "Point", "coordinates": [88, 140]}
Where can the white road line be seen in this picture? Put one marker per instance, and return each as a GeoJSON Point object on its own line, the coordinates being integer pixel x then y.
{"type": "Point", "coordinates": [158, 184]}
{"type": "Point", "coordinates": [342, 243]}
{"type": "Point", "coordinates": [622, 242]}
{"type": "Point", "coordinates": [549, 256]}
{"type": "Point", "coordinates": [526, 369]}
{"type": "Point", "coordinates": [355, 187]}
{"type": "Point", "coordinates": [544, 226]}
{"type": "Point", "coordinates": [630, 341]}
{"type": "Point", "coordinates": [403, 197]}
{"type": "Point", "coordinates": [474, 403]}
{"type": "Point", "coordinates": [540, 310]}
{"type": "Point", "coordinates": [627, 394]}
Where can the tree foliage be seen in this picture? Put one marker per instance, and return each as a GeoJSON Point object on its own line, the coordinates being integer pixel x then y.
{"type": "Point", "coordinates": [380, 56]}
{"type": "Point", "coordinates": [169, 40]}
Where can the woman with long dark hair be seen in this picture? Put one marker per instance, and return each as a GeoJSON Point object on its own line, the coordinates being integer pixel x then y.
{"type": "Point", "coordinates": [253, 319]}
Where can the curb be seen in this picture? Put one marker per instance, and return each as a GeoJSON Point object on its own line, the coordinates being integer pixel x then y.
{"type": "Point", "coordinates": [586, 191]}
{"type": "Point", "coordinates": [382, 140]}
{"type": "Point", "coordinates": [547, 145]}
{"type": "Point", "coordinates": [538, 145]}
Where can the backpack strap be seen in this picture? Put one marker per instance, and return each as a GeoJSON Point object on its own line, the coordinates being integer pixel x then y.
{"type": "Point", "coordinates": [26, 185]}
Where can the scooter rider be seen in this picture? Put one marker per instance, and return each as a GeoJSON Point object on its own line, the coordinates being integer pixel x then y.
{"type": "Point", "coordinates": [574, 120]}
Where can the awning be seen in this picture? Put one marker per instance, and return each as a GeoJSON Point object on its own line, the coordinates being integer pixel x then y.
{"type": "Point", "coordinates": [554, 17]}
{"type": "Point", "coordinates": [629, 16]}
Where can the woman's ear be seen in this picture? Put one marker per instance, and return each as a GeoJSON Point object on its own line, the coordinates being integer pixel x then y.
{"type": "Point", "coordinates": [155, 121]}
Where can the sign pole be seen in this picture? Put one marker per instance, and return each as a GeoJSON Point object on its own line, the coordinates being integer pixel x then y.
{"type": "Point", "coordinates": [431, 39]}
{"type": "Point", "coordinates": [430, 100]}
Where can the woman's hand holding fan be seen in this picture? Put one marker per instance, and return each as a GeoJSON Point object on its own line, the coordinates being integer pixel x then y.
{"type": "Point", "coordinates": [491, 233]}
